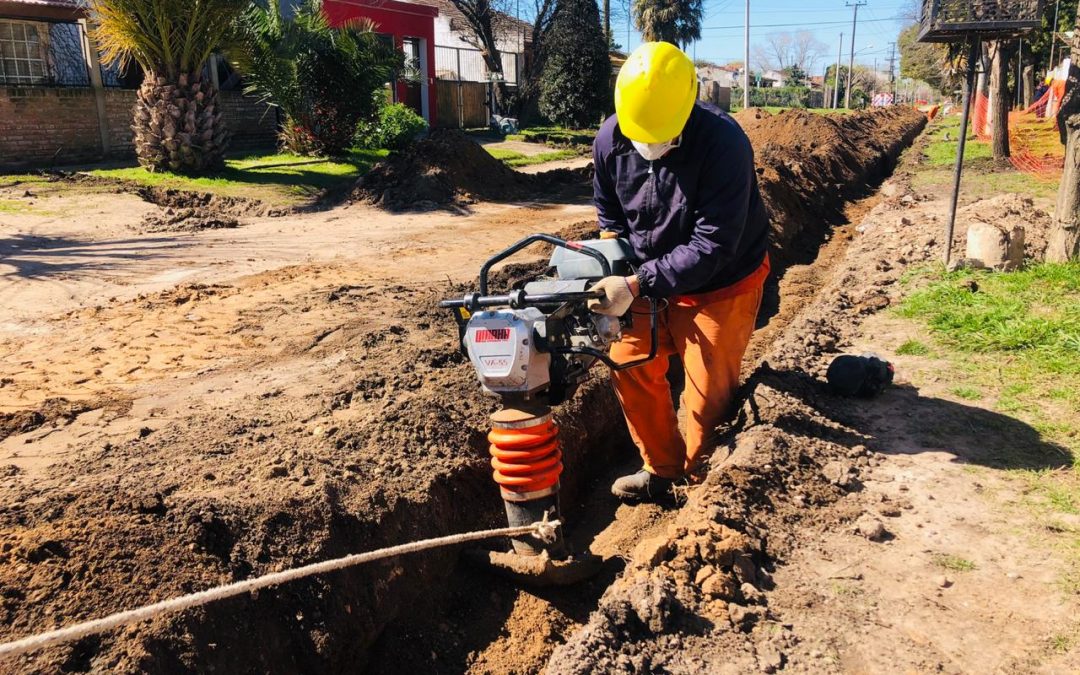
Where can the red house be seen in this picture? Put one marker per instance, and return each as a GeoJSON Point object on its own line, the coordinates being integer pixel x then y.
{"type": "Point", "coordinates": [412, 28]}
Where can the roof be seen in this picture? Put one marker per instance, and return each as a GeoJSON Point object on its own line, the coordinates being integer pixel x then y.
{"type": "Point", "coordinates": [503, 22]}
{"type": "Point", "coordinates": [63, 10]}
{"type": "Point", "coordinates": [66, 4]}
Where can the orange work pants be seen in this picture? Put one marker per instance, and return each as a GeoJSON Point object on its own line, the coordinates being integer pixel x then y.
{"type": "Point", "coordinates": [709, 332]}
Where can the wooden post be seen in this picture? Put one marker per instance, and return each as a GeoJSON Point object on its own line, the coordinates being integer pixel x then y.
{"type": "Point", "coordinates": [94, 66]}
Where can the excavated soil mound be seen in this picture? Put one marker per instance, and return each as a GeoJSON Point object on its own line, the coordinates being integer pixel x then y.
{"type": "Point", "coordinates": [444, 167]}
{"type": "Point", "coordinates": [810, 165]}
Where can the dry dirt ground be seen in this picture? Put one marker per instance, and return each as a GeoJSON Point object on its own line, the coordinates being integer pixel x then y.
{"type": "Point", "coordinates": [182, 410]}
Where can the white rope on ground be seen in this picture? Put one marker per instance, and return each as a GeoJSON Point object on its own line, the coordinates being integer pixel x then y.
{"type": "Point", "coordinates": [545, 531]}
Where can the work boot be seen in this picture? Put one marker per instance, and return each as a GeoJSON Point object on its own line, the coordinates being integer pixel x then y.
{"type": "Point", "coordinates": [643, 487]}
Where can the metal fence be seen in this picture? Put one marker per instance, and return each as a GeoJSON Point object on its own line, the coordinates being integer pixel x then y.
{"type": "Point", "coordinates": [462, 64]}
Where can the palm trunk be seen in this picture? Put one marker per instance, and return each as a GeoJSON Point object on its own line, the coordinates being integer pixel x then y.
{"type": "Point", "coordinates": [178, 125]}
{"type": "Point", "coordinates": [999, 99]}
{"type": "Point", "coordinates": [1065, 236]}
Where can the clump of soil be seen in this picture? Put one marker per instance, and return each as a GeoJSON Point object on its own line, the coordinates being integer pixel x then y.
{"type": "Point", "coordinates": [448, 167]}
{"type": "Point", "coordinates": [187, 220]}
{"type": "Point", "coordinates": [187, 211]}
{"type": "Point", "coordinates": [1006, 211]}
{"type": "Point", "coordinates": [52, 409]}
{"type": "Point", "coordinates": [187, 199]}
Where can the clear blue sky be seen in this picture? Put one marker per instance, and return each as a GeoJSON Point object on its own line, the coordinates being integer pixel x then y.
{"type": "Point", "coordinates": [722, 34]}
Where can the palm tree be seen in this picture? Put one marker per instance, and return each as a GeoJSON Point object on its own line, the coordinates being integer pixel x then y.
{"type": "Point", "coordinates": [324, 79]}
{"type": "Point", "coordinates": [674, 21]}
{"type": "Point", "coordinates": [177, 121]}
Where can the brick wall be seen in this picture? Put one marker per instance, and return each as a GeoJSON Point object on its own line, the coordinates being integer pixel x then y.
{"type": "Point", "coordinates": [43, 127]}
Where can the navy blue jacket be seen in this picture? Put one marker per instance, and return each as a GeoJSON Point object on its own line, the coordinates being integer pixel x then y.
{"type": "Point", "coordinates": [694, 217]}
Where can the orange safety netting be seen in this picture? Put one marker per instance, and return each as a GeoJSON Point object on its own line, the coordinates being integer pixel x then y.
{"type": "Point", "coordinates": [1034, 143]}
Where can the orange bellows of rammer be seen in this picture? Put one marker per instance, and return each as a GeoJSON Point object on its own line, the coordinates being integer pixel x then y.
{"type": "Point", "coordinates": [526, 460]}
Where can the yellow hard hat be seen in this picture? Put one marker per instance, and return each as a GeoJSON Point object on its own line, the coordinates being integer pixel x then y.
{"type": "Point", "coordinates": [655, 92]}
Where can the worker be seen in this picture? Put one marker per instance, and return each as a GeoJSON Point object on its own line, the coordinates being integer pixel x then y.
{"type": "Point", "coordinates": [676, 177]}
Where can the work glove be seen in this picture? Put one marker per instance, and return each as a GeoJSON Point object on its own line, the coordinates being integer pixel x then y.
{"type": "Point", "coordinates": [617, 297]}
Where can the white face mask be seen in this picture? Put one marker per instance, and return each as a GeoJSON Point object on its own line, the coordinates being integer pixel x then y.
{"type": "Point", "coordinates": [654, 151]}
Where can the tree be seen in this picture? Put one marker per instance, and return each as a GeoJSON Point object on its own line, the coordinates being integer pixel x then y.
{"type": "Point", "coordinates": [783, 51]}
{"type": "Point", "coordinates": [529, 82]}
{"type": "Point", "coordinates": [176, 121]}
{"type": "Point", "coordinates": [1064, 241]}
{"type": "Point", "coordinates": [1000, 101]}
{"type": "Point", "coordinates": [484, 20]}
{"type": "Point", "coordinates": [806, 50]}
{"type": "Point", "coordinates": [863, 82]}
{"type": "Point", "coordinates": [575, 85]}
{"type": "Point", "coordinates": [674, 21]}
{"type": "Point", "coordinates": [925, 61]}
{"type": "Point", "coordinates": [794, 76]}
{"type": "Point", "coordinates": [324, 79]}
{"type": "Point", "coordinates": [1038, 43]}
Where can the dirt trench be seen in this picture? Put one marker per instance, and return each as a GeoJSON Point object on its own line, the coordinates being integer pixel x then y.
{"type": "Point", "coordinates": [383, 444]}
{"type": "Point", "coordinates": [490, 625]}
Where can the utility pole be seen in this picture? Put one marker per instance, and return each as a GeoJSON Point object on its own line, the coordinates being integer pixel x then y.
{"type": "Point", "coordinates": [892, 71]}
{"type": "Point", "coordinates": [1053, 34]}
{"type": "Point", "coordinates": [836, 75]}
{"type": "Point", "coordinates": [746, 60]}
{"type": "Point", "coordinates": [851, 60]}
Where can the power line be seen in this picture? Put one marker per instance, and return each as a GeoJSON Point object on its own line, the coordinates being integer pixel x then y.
{"type": "Point", "coordinates": [792, 25]}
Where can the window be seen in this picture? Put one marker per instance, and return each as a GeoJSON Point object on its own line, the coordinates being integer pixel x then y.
{"type": "Point", "coordinates": [22, 57]}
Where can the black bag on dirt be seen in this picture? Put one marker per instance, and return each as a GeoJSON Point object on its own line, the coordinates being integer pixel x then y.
{"type": "Point", "coordinates": [865, 376]}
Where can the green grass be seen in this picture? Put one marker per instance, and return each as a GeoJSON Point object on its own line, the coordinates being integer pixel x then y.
{"type": "Point", "coordinates": [275, 178]}
{"type": "Point", "coordinates": [1014, 341]}
{"type": "Point", "coordinates": [953, 562]}
{"type": "Point", "coordinates": [517, 159]}
{"type": "Point", "coordinates": [981, 177]}
{"type": "Point", "coordinates": [942, 152]}
{"type": "Point", "coordinates": [1014, 344]}
{"type": "Point", "coordinates": [912, 348]}
{"type": "Point", "coordinates": [1063, 642]}
{"type": "Point", "coordinates": [967, 393]}
{"type": "Point", "coordinates": [556, 136]}
{"type": "Point", "coordinates": [1034, 313]}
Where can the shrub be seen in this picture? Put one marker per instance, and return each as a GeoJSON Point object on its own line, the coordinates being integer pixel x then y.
{"type": "Point", "coordinates": [395, 127]}
{"type": "Point", "coordinates": [324, 78]}
{"type": "Point", "coordinates": [781, 97]}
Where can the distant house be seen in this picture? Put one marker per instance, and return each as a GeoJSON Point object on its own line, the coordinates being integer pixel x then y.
{"type": "Point", "coordinates": [725, 76]}
{"type": "Point", "coordinates": [411, 29]}
{"type": "Point", "coordinates": [452, 31]}
{"type": "Point", "coordinates": [59, 105]}
{"type": "Point", "coordinates": [769, 78]}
